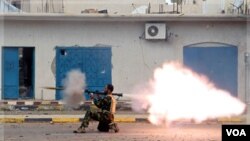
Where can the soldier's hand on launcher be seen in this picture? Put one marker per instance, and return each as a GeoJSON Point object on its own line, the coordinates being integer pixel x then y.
{"type": "Point", "coordinates": [91, 96]}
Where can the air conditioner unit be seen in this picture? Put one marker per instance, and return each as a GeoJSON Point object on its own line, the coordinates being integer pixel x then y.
{"type": "Point", "coordinates": [155, 31]}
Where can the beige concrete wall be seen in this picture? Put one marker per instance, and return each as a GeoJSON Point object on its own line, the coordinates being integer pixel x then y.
{"type": "Point", "coordinates": [46, 6]}
{"type": "Point", "coordinates": [76, 6]}
{"type": "Point", "coordinates": [212, 6]}
{"type": "Point", "coordinates": [133, 59]}
{"type": "Point", "coordinates": [113, 6]}
{"type": "Point", "coordinates": [126, 7]}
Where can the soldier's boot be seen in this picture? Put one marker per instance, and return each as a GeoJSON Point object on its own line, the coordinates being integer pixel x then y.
{"type": "Point", "coordinates": [80, 130]}
{"type": "Point", "coordinates": [113, 126]}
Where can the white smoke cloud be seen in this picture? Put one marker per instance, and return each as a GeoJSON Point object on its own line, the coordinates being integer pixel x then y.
{"type": "Point", "coordinates": [140, 101]}
{"type": "Point", "coordinates": [74, 85]}
{"type": "Point", "coordinates": [177, 93]}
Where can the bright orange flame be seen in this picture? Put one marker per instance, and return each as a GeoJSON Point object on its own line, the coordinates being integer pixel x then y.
{"type": "Point", "coordinates": [179, 93]}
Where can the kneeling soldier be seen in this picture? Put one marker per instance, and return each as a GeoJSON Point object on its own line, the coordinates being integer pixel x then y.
{"type": "Point", "coordinates": [105, 116]}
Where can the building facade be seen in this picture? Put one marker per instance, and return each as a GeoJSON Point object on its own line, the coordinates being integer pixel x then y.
{"type": "Point", "coordinates": [38, 50]}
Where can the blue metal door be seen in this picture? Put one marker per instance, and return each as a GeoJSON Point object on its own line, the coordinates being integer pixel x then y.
{"type": "Point", "coordinates": [66, 59]}
{"type": "Point", "coordinates": [97, 67]}
{"type": "Point", "coordinates": [10, 73]}
{"type": "Point", "coordinates": [95, 62]}
{"type": "Point", "coordinates": [219, 64]}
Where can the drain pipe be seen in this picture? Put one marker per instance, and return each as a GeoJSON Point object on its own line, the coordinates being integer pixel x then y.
{"type": "Point", "coordinates": [247, 65]}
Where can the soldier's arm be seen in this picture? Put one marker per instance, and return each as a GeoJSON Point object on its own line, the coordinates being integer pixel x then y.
{"type": "Point", "coordinates": [101, 102]}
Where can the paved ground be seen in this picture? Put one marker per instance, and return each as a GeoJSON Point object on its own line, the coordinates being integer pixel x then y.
{"type": "Point", "coordinates": [139, 131]}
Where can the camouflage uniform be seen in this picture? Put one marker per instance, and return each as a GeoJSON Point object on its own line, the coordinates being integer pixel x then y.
{"type": "Point", "coordinates": [103, 116]}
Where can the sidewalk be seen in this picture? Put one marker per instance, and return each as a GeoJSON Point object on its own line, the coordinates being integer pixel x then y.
{"type": "Point", "coordinates": [67, 118]}
{"type": "Point", "coordinates": [128, 117]}
{"type": "Point", "coordinates": [9, 105]}
{"type": "Point", "coordinates": [55, 112]}
{"type": "Point", "coordinates": [19, 111]}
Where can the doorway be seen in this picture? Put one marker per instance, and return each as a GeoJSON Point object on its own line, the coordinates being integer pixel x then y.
{"type": "Point", "coordinates": [95, 62]}
{"type": "Point", "coordinates": [217, 61]}
{"type": "Point", "coordinates": [18, 72]}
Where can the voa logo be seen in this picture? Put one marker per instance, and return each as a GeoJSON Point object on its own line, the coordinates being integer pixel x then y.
{"type": "Point", "coordinates": [236, 132]}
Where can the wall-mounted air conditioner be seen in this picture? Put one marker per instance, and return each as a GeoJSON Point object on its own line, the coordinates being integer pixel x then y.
{"type": "Point", "coordinates": [155, 31]}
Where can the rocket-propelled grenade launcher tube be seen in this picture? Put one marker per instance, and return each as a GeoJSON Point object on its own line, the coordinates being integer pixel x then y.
{"type": "Point", "coordinates": [86, 91]}
{"type": "Point", "coordinates": [102, 93]}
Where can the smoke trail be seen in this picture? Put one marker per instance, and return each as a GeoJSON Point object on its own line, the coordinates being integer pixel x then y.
{"type": "Point", "coordinates": [74, 85]}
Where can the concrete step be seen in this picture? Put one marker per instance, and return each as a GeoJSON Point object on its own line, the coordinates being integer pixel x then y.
{"type": "Point", "coordinates": [9, 105]}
